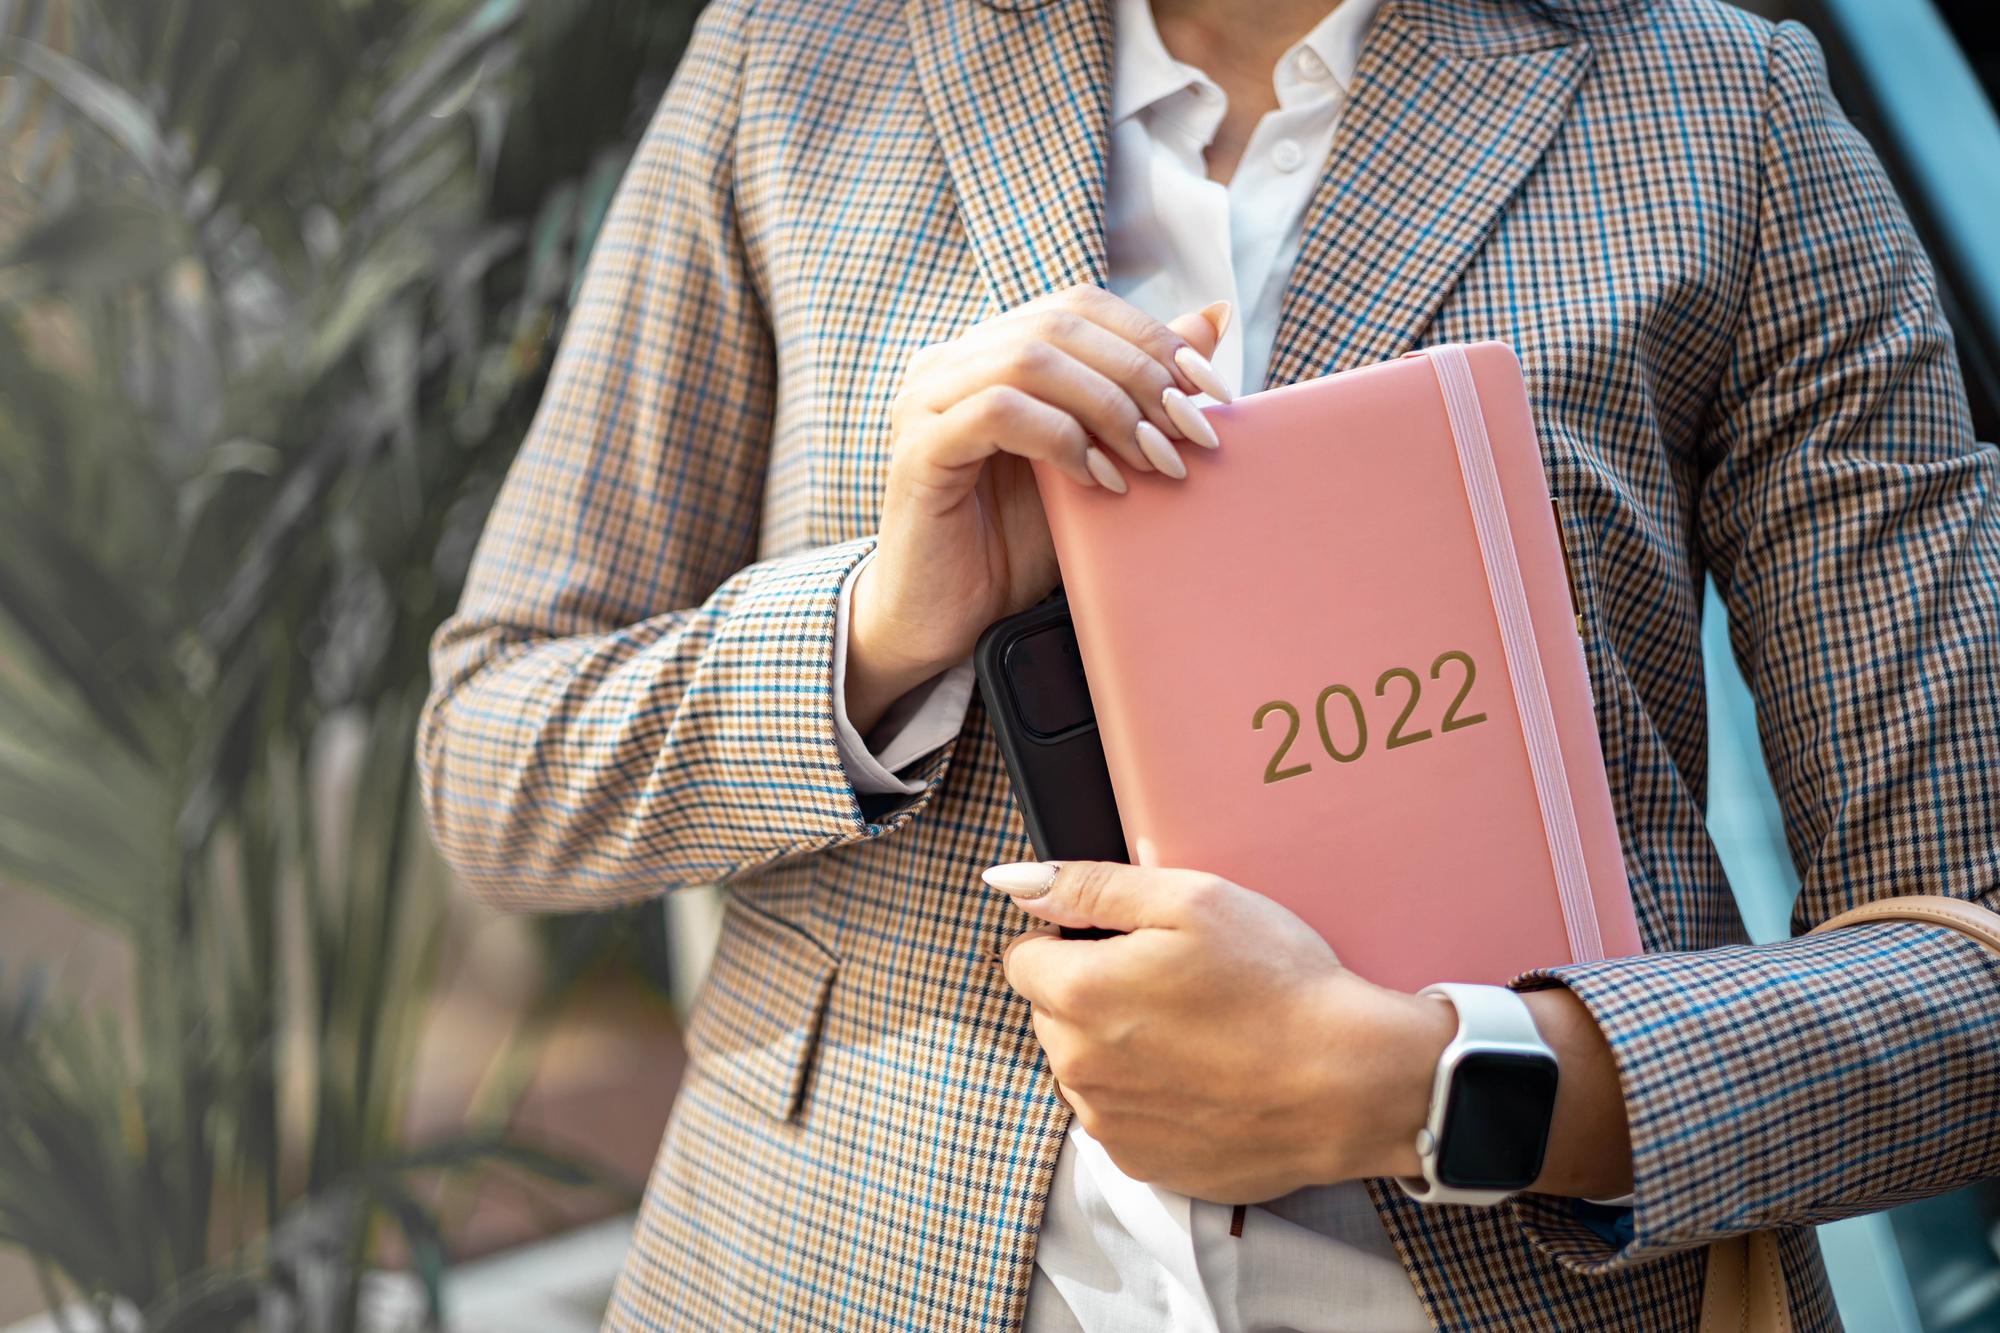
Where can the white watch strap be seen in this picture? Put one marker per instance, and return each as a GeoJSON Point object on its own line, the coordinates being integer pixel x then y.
{"type": "Point", "coordinates": [1489, 1017]}
{"type": "Point", "coordinates": [1489, 1013]}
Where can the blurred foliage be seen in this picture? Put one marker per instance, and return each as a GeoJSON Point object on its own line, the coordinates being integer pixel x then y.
{"type": "Point", "coordinates": [279, 284]}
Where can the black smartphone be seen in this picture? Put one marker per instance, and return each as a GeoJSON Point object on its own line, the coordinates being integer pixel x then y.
{"type": "Point", "coordinates": [1031, 680]}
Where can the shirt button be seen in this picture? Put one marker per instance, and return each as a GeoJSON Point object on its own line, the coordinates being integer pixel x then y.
{"type": "Point", "coordinates": [1286, 155]}
{"type": "Point", "coordinates": [1309, 65]}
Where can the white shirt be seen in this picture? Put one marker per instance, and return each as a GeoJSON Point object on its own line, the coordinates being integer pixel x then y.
{"type": "Point", "coordinates": [1116, 1255]}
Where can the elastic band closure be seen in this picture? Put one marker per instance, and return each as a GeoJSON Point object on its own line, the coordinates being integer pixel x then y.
{"type": "Point", "coordinates": [1517, 638]}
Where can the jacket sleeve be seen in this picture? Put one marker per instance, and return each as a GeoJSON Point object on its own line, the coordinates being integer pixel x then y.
{"type": "Point", "coordinates": [626, 701]}
{"type": "Point", "coordinates": [1853, 525]}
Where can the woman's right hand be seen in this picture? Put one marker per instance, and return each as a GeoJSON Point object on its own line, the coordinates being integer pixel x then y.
{"type": "Point", "coordinates": [1078, 378]}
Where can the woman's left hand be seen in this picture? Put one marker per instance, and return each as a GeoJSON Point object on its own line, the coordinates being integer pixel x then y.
{"type": "Point", "coordinates": [1218, 1048]}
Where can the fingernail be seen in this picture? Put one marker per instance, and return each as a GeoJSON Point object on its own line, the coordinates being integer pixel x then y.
{"type": "Point", "coordinates": [1196, 367]}
{"type": "Point", "coordinates": [1104, 470]}
{"type": "Point", "coordinates": [1159, 451]}
{"type": "Point", "coordinates": [1022, 879]}
{"type": "Point", "coordinates": [1188, 419]}
{"type": "Point", "coordinates": [1219, 313]}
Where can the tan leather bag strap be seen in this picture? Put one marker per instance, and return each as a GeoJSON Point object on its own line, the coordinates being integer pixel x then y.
{"type": "Point", "coordinates": [1968, 919]}
{"type": "Point", "coordinates": [1745, 1289]}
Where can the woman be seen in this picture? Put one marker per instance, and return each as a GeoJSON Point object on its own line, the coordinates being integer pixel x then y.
{"type": "Point", "coordinates": [871, 260]}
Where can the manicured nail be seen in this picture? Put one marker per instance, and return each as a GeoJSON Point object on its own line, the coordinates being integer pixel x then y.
{"type": "Point", "coordinates": [1195, 366]}
{"type": "Point", "coordinates": [1104, 470]}
{"type": "Point", "coordinates": [1188, 419]}
{"type": "Point", "coordinates": [1022, 879]}
{"type": "Point", "coordinates": [1218, 313]}
{"type": "Point", "coordinates": [1159, 451]}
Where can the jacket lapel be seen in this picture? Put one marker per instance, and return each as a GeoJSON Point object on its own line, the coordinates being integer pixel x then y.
{"type": "Point", "coordinates": [1443, 126]}
{"type": "Point", "coordinates": [1020, 99]}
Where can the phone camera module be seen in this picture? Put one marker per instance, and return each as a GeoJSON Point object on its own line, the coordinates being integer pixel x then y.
{"type": "Point", "coordinates": [1045, 672]}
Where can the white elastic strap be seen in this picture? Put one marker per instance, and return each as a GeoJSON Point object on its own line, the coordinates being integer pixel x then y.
{"type": "Point", "coordinates": [1517, 638]}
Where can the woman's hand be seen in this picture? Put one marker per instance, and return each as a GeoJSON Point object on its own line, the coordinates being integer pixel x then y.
{"type": "Point", "coordinates": [1220, 1049]}
{"type": "Point", "coordinates": [1079, 378]}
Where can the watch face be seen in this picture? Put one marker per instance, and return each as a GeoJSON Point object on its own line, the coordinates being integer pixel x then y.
{"type": "Point", "coordinates": [1496, 1121]}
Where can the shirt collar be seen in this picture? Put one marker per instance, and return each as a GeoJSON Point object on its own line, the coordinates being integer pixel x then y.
{"type": "Point", "coordinates": [1338, 38]}
{"type": "Point", "coordinates": [1144, 72]}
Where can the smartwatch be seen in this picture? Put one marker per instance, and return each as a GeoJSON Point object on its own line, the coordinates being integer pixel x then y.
{"type": "Point", "coordinates": [1491, 1102]}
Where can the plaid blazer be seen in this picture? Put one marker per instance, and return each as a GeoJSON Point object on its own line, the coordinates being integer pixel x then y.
{"type": "Point", "coordinates": [1738, 368]}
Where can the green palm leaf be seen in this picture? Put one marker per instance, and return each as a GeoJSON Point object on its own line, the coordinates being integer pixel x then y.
{"type": "Point", "coordinates": [274, 312]}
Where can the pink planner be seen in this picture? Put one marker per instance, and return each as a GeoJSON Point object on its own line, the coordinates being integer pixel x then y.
{"type": "Point", "coordinates": [1338, 664]}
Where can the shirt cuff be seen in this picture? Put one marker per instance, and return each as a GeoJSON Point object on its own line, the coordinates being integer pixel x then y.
{"type": "Point", "coordinates": [915, 724]}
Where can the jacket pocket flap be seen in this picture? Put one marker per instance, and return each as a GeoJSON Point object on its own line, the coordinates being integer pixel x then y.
{"type": "Point", "coordinates": [758, 1017]}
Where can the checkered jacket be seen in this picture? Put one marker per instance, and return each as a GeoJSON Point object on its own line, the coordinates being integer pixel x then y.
{"type": "Point", "coordinates": [1738, 368]}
